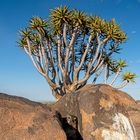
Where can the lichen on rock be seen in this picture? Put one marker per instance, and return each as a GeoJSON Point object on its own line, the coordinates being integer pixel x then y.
{"type": "Point", "coordinates": [121, 129]}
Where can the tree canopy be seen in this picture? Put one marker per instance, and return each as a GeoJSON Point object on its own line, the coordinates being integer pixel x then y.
{"type": "Point", "coordinates": [71, 47]}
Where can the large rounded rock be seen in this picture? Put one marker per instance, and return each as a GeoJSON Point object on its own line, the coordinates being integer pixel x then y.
{"type": "Point", "coordinates": [100, 113]}
{"type": "Point", "coordinates": [134, 114]}
{"type": "Point", "coordinates": [21, 119]}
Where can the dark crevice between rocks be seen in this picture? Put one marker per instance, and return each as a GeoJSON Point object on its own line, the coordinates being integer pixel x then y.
{"type": "Point", "coordinates": [71, 132]}
{"type": "Point", "coordinates": [70, 127]}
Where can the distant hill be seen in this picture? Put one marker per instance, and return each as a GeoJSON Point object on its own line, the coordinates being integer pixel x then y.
{"type": "Point", "coordinates": [49, 103]}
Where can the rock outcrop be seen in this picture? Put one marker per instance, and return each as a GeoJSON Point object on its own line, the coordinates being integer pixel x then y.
{"type": "Point", "coordinates": [102, 113]}
{"type": "Point", "coordinates": [95, 112]}
{"type": "Point", "coordinates": [135, 117]}
{"type": "Point", "coordinates": [21, 119]}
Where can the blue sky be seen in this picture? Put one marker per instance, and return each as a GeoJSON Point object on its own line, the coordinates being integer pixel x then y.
{"type": "Point", "coordinates": [17, 74]}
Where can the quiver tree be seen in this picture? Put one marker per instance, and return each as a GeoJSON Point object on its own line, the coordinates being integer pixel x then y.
{"type": "Point", "coordinates": [113, 68]}
{"type": "Point", "coordinates": [70, 47]}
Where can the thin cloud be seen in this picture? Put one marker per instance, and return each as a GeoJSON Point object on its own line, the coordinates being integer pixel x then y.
{"type": "Point", "coordinates": [138, 61]}
{"type": "Point", "coordinates": [101, 1]}
{"type": "Point", "coordinates": [133, 32]}
{"type": "Point", "coordinates": [131, 61]}
{"type": "Point", "coordinates": [134, 62]}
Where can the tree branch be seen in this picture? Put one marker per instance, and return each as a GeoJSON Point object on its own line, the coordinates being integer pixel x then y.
{"type": "Point", "coordinates": [105, 74]}
{"type": "Point", "coordinates": [82, 59]}
{"type": "Point", "coordinates": [116, 76]}
{"type": "Point", "coordinates": [97, 74]}
{"type": "Point", "coordinates": [97, 64]}
{"type": "Point", "coordinates": [96, 54]}
{"type": "Point", "coordinates": [59, 54]}
{"type": "Point", "coordinates": [65, 35]}
{"type": "Point", "coordinates": [38, 67]}
{"type": "Point", "coordinates": [121, 86]}
{"type": "Point", "coordinates": [68, 51]}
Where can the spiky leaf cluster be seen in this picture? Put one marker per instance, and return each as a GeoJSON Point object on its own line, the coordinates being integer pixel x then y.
{"type": "Point", "coordinates": [110, 29]}
{"type": "Point", "coordinates": [59, 16]}
{"type": "Point", "coordinates": [37, 23]}
{"type": "Point", "coordinates": [129, 76]}
{"type": "Point", "coordinates": [73, 18]}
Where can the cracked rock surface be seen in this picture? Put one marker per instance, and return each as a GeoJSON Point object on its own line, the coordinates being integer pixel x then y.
{"type": "Point", "coordinates": [22, 119]}
{"type": "Point", "coordinates": [102, 112]}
